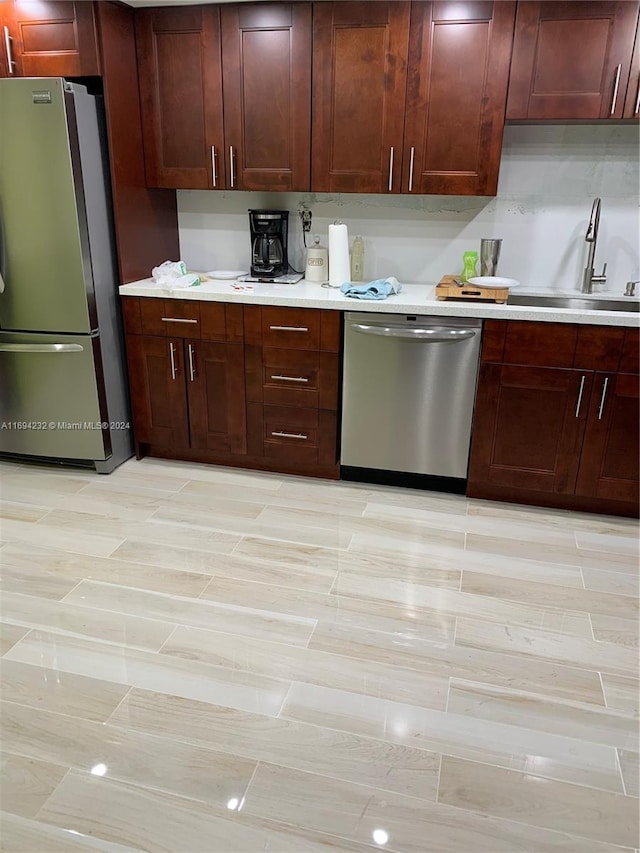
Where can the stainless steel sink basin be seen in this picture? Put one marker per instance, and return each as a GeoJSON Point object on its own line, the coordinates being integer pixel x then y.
{"type": "Point", "coordinates": [576, 303]}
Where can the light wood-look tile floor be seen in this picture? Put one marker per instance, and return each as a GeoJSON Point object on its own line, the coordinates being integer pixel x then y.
{"type": "Point", "coordinates": [206, 660]}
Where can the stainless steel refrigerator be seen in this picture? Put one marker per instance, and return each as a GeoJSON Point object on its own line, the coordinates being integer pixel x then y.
{"type": "Point", "coordinates": [63, 381]}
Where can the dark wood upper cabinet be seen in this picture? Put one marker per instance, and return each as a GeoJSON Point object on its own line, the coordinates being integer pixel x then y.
{"type": "Point", "coordinates": [226, 95]}
{"type": "Point", "coordinates": [571, 60]}
{"type": "Point", "coordinates": [632, 100]}
{"type": "Point", "coordinates": [266, 83]}
{"type": "Point", "coordinates": [180, 79]}
{"type": "Point", "coordinates": [359, 81]}
{"type": "Point", "coordinates": [458, 74]}
{"type": "Point", "coordinates": [50, 38]}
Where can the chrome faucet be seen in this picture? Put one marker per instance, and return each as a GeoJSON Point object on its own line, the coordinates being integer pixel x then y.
{"type": "Point", "coordinates": [591, 237]}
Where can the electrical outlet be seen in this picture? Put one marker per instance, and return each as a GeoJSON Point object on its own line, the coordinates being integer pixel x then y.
{"type": "Point", "coordinates": [305, 216]}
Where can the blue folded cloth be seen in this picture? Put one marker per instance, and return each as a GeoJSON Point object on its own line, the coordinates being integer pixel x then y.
{"type": "Point", "coordinates": [378, 289]}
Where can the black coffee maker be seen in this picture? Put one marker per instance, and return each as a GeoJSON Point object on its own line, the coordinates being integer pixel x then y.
{"type": "Point", "coordinates": [269, 229]}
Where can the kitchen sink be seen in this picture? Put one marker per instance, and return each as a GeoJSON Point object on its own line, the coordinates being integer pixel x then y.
{"type": "Point", "coordinates": [576, 303]}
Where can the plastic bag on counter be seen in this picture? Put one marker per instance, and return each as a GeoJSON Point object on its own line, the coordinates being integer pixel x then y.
{"type": "Point", "coordinates": [174, 275]}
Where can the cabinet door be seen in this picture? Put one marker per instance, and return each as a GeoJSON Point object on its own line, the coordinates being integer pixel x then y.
{"type": "Point", "coordinates": [266, 61]}
{"type": "Point", "coordinates": [359, 79]}
{"type": "Point", "coordinates": [53, 39]}
{"type": "Point", "coordinates": [456, 95]}
{"type": "Point", "coordinates": [157, 385]}
{"type": "Point", "coordinates": [632, 100]}
{"type": "Point", "coordinates": [528, 427]}
{"type": "Point", "coordinates": [609, 467]}
{"type": "Point", "coordinates": [181, 98]}
{"type": "Point", "coordinates": [571, 59]}
{"type": "Point", "coordinates": [215, 387]}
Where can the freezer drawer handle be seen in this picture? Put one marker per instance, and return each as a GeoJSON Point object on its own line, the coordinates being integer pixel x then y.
{"type": "Point", "coordinates": [41, 348]}
{"type": "Point", "coordinates": [289, 378]}
{"type": "Point", "coordinates": [177, 320]}
{"type": "Point", "coordinates": [290, 435]}
{"type": "Point", "coordinates": [428, 336]}
{"type": "Point", "coordinates": [288, 328]}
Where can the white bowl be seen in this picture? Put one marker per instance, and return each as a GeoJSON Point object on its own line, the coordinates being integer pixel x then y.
{"type": "Point", "coordinates": [493, 281]}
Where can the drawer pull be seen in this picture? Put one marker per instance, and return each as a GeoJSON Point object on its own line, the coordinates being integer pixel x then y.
{"type": "Point", "coordinates": [413, 151]}
{"type": "Point", "coordinates": [289, 328]}
{"type": "Point", "coordinates": [616, 86]}
{"type": "Point", "coordinates": [290, 435]}
{"type": "Point", "coordinates": [177, 320]}
{"type": "Point", "coordinates": [289, 378]}
{"type": "Point", "coordinates": [603, 397]}
{"type": "Point", "coordinates": [172, 356]}
{"type": "Point", "coordinates": [580, 392]}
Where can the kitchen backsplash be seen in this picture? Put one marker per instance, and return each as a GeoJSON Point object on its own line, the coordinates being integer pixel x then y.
{"type": "Point", "coordinates": [548, 179]}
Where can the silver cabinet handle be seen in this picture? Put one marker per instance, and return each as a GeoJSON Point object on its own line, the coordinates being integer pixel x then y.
{"type": "Point", "coordinates": [413, 151]}
{"type": "Point", "coordinates": [214, 176]}
{"type": "Point", "coordinates": [580, 392]}
{"type": "Point", "coordinates": [289, 378]}
{"type": "Point", "coordinates": [637, 107]}
{"type": "Point", "coordinates": [390, 169]}
{"type": "Point", "coordinates": [7, 44]}
{"type": "Point", "coordinates": [602, 398]}
{"type": "Point", "coordinates": [616, 86]}
{"type": "Point", "coordinates": [41, 348]}
{"type": "Point", "coordinates": [233, 174]}
{"type": "Point", "coordinates": [172, 356]}
{"type": "Point", "coordinates": [290, 435]}
{"type": "Point", "coordinates": [288, 328]}
{"type": "Point", "coordinates": [423, 335]}
{"type": "Point", "coordinates": [177, 320]}
{"type": "Point", "coordinates": [192, 370]}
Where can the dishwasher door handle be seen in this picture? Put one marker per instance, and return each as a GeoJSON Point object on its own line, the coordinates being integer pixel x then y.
{"type": "Point", "coordinates": [435, 336]}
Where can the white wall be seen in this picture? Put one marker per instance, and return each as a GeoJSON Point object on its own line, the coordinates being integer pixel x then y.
{"type": "Point", "coordinates": [549, 177]}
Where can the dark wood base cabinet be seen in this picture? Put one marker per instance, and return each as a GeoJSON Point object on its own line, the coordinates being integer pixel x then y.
{"type": "Point", "coordinates": [557, 417]}
{"type": "Point", "coordinates": [205, 389]}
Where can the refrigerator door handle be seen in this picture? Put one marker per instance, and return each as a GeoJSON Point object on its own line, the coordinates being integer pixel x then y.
{"type": "Point", "coordinates": [41, 348]}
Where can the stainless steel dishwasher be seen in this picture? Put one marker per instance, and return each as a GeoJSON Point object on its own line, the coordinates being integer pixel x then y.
{"type": "Point", "coordinates": [409, 385]}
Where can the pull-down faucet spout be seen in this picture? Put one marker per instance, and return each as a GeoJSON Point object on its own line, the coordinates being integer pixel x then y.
{"type": "Point", "coordinates": [591, 237]}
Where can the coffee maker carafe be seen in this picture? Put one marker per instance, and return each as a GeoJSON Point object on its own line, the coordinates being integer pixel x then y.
{"type": "Point", "coordinates": [269, 242]}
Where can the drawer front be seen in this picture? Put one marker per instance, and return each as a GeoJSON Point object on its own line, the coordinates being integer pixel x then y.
{"type": "Point", "coordinates": [177, 318]}
{"type": "Point", "coordinates": [290, 377]}
{"type": "Point", "coordinates": [290, 427]}
{"type": "Point", "coordinates": [291, 328]}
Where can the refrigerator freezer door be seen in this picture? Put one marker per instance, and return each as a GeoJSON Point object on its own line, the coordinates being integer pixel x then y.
{"type": "Point", "coordinates": [46, 264]}
{"type": "Point", "coordinates": [49, 403]}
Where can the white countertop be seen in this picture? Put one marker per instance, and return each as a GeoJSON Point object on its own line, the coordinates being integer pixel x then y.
{"type": "Point", "coordinates": [413, 299]}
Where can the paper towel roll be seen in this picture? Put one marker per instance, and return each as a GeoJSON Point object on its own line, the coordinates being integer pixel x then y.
{"type": "Point", "coordinates": [339, 267]}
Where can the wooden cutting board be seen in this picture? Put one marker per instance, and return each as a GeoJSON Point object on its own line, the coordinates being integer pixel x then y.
{"type": "Point", "coordinates": [448, 289]}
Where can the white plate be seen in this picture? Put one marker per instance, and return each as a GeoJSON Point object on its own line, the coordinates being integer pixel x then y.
{"type": "Point", "coordinates": [225, 274]}
{"type": "Point", "coordinates": [493, 281]}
